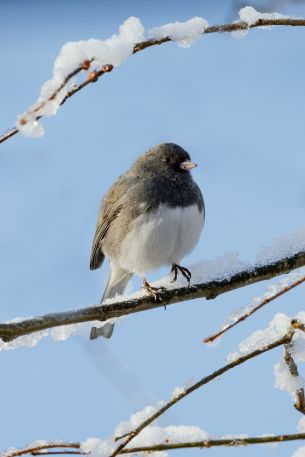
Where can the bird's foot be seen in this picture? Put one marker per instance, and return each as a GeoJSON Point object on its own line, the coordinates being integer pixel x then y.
{"type": "Point", "coordinates": [184, 271]}
{"type": "Point", "coordinates": [155, 291]}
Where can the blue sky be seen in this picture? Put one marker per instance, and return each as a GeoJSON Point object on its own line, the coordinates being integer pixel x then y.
{"type": "Point", "coordinates": [237, 105]}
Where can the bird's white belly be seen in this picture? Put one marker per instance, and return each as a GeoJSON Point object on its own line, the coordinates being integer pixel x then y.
{"type": "Point", "coordinates": [162, 237]}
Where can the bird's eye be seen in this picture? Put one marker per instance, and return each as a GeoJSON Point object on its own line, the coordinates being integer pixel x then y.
{"type": "Point", "coordinates": [167, 159]}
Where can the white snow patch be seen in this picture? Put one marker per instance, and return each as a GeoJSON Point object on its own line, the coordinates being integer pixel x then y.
{"type": "Point", "coordinates": [22, 341]}
{"type": "Point", "coordinates": [63, 332]}
{"type": "Point", "coordinates": [137, 419]}
{"type": "Point", "coordinates": [300, 452]}
{"type": "Point", "coordinates": [272, 289]}
{"type": "Point", "coordinates": [239, 436]}
{"type": "Point", "coordinates": [250, 15]}
{"type": "Point", "coordinates": [114, 51]}
{"type": "Point", "coordinates": [278, 327]}
{"type": "Point", "coordinates": [282, 247]}
{"type": "Point", "coordinates": [150, 436]}
{"type": "Point", "coordinates": [29, 126]}
{"type": "Point", "coordinates": [12, 451]}
{"type": "Point", "coordinates": [172, 434]}
{"type": "Point", "coordinates": [184, 33]}
{"type": "Point", "coordinates": [284, 380]}
{"type": "Point", "coordinates": [177, 391]}
{"type": "Point", "coordinates": [97, 447]}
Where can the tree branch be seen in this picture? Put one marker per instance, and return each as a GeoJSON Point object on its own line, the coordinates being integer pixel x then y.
{"type": "Point", "coordinates": [242, 359]}
{"type": "Point", "coordinates": [221, 28]}
{"type": "Point", "coordinates": [249, 313]}
{"type": "Point", "coordinates": [76, 447]}
{"type": "Point", "coordinates": [293, 369]}
{"type": "Point", "coordinates": [34, 448]}
{"type": "Point", "coordinates": [213, 443]}
{"type": "Point", "coordinates": [209, 290]}
{"type": "Point", "coordinates": [44, 449]}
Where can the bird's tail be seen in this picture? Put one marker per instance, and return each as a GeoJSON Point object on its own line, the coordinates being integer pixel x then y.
{"type": "Point", "coordinates": [116, 285]}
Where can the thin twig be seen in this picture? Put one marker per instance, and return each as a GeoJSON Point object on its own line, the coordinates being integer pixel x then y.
{"type": "Point", "coordinates": [220, 28]}
{"type": "Point", "coordinates": [71, 447]}
{"type": "Point", "coordinates": [242, 359]}
{"type": "Point", "coordinates": [42, 446]}
{"type": "Point", "coordinates": [209, 290]}
{"type": "Point", "coordinates": [244, 316]}
{"type": "Point", "coordinates": [230, 442]}
{"type": "Point", "coordinates": [212, 443]}
{"type": "Point", "coordinates": [293, 369]}
{"type": "Point", "coordinates": [60, 453]}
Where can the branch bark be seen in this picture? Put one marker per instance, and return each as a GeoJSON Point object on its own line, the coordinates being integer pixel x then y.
{"type": "Point", "coordinates": [220, 28]}
{"type": "Point", "coordinates": [34, 448]}
{"type": "Point", "coordinates": [55, 447]}
{"type": "Point", "coordinates": [286, 339]}
{"type": "Point", "coordinates": [45, 448]}
{"type": "Point", "coordinates": [209, 290]}
{"type": "Point", "coordinates": [214, 443]}
{"type": "Point", "coordinates": [293, 369]}
{"type": "Point", "coordinates": [243, 317]}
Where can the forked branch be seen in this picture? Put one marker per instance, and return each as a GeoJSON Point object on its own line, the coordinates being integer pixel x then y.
{"type": "Point", "coordinates": [220, 28]}
{"type": "Point", "coordinates": [209, 290]}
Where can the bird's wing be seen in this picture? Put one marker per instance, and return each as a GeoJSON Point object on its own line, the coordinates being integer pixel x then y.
{"type": "Point", "coordinates": [110, 208]}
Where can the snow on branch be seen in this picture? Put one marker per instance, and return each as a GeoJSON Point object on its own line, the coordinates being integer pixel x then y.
{"type": "Point", "coordinates": [98, 57]}
{"type": "Point", "coordinates": [274, 291]}
{"type": "Point", "coordinates": [210, 280]}
{"type": "Point", "coordinates": [148, 437]}
{"type": "Point", "coordinates": [62, 448]}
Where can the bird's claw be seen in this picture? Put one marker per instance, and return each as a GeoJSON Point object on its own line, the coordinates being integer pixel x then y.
{"type": "Point", "coordinates": [184, 271]}
{"type": "Point", "coordinates": [155, 291]}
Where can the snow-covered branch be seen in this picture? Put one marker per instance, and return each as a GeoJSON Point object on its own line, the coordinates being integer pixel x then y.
{"type": "Point", "coordinates": [51, 448]}
{"type": "Point", "coordinates": [294, 372]}
{"type": "Point", "coordinates": [146, 436]}
{"type": "Point", "coordinates": [282, 339]}
{"type": "Point", "coordinates": [225, 277]}
{"type": "Point", "coordinates": [253, 308]}
{"type": "Point", "coordinates": [45, 447]}
{"type": "Point", "coordinates": [213, 443]}
{"type": "Point", "coordinates": [99, 57]}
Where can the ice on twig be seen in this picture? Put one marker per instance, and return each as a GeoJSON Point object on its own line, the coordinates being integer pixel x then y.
{"type": "Point", "coordinates": [278, 327]}
{"type": "Point", "coordinates": [260, 339]}
{"type": "Point", "coordinates": [250, 15]}
{"type": "Point", "coordinates": [177, 391]}
{"type": "Point", "coordinates": [172, 434]}
{"type": "Point", "coordinates": [22, 341]}
{"type": "Point", "coordinates": [283, 246]}
{"type": "Point", "coordinates": [63, 332]}
{"type": "Point", "coordinates": [272, 289]}
{"type": "Point", "coordinates": [284, 380]}
{"type": "Point", "coordinates": [137, 419]}
{"type": "Point", "coordinates": [185, 33]}
{"type": "Point", "coordinates": [220, 269]}
{"type": "Point", "coordinates": [239, 436]}
{"type": "Point", "coordinates": [114, 51]}
{"type": "Point", "coordinates": [150, 436]}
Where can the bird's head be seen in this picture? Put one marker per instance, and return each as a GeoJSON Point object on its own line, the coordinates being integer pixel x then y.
{"type": "Point", "coordinates": [166, 158]}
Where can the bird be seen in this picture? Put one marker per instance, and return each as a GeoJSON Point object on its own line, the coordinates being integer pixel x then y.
{"type": "Point", "coordinates": [151, 216]}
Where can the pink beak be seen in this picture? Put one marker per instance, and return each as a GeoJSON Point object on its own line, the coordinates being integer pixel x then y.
{"type": "Point", "coordinates": [187, 165]}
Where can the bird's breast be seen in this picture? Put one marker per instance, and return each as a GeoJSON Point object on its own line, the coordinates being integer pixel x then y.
{"type": "Point", "coordinates": [161, 237]}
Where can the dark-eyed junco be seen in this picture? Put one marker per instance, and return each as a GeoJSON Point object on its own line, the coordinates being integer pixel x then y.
{"type": "Point", "coordinates": [151, 216]}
